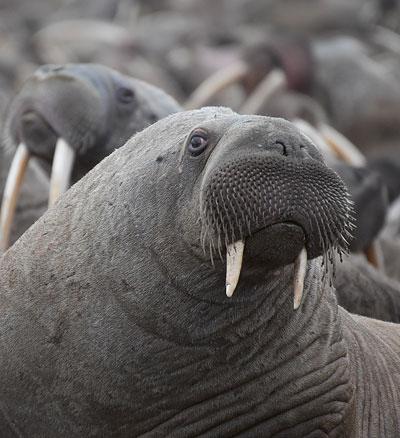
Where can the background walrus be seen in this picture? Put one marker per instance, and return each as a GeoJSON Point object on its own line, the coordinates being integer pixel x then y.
{"type": "Point", "coordinates": [71, 117]}
{"type": "Point", "coordinates": [140, 334]}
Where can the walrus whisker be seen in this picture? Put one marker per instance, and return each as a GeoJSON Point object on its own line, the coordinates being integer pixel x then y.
{"type": "Point", "coordinates": [11, 193]}
{"type": "Point", "coordinates": [64, 157]}
{"type": "Point", "coordinates": [211, 253]}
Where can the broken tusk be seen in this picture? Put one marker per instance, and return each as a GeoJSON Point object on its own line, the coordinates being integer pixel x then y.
{"type": "Point", "coordinates": [314, 136]}
{"type": "Point", "coordinates": [300, 267]}
{"type": "Point", "coordinates": [274, 82]}
{"type": "Point", "coordinates": [341, 146]}
{"type": "Point", "coordinates": [60, 179]}
{"type": "Point", "coordinates": [11, 193]}
{"type": "Point", "coordinates": [215, 83]}
{"type": "Point", "coordinates": [374, 256]}
{"type": "Point", "coordinates": [234, 258]}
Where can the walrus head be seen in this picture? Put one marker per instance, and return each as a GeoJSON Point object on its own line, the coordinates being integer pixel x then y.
{"type": "Point", "coordinates": [71, 117]}
{"type": "Point", "coordinates": [95, 109]}
{"type": "Point", "coordinates": [263, 196]}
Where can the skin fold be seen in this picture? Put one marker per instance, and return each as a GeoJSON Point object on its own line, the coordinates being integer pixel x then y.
{"type": "Point", "coordinates": [146, 342]}
{"type": "Point", "coordinates": [364, 290]}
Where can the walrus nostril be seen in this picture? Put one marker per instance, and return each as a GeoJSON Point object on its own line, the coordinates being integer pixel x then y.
{"type": "Point", "coordinates": [284, 149]}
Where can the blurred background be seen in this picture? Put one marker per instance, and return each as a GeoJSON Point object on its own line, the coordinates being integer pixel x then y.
{"type": "Point", "coordinates": [342, 54]}
{"type": "Point", "coordinates": [331, 66]}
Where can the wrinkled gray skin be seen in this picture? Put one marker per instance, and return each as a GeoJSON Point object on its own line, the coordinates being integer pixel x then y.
{"type": "Point", "coordinates": [362, 289]}
{"type": "Point", "coordinates": [369, 194]}
{"type": "Point", "coordinates": [115, 322]}
{"type": "Point", "coordinates": [360, 94]}
{"type": "Point", "coordinates": [388, 168]}
{"type": "Point", "coordinates": [94, 108]}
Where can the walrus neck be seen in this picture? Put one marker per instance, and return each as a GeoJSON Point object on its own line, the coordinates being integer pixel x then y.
{"type": "Point", "coordinates": [298, 357]}
{"type": "Point", "coordinates": [265, 306]}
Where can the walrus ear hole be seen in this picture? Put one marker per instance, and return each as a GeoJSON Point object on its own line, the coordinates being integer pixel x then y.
{"type": "Point", "coordinates": [125, 95]}
{"type": "Point", "coordinates": [198, 143]}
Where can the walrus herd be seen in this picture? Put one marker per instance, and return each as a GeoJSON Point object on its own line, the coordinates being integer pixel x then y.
{"type": "Point", "coordinates": [200, 223]}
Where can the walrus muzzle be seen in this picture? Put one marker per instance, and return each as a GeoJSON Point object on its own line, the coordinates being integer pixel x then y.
{"type": "Point", "coordinates": [252, 193]}
{"type": "Point", "coordinates": [55, 113]}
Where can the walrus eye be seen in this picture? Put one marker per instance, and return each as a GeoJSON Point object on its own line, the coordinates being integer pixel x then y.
{"type": "Point", "coordinates": [125, 95]}
{"type": "Point", "coordinates": [198, 143]}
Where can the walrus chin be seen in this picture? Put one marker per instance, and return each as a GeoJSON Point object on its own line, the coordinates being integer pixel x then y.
{"type": "Point", "coordinates": [234, 260]}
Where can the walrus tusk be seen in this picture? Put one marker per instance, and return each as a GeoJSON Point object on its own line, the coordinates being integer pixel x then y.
{"type": "Point", "coordinates": [346, 151]}
{"type": "Point", "coordinates": [11, 193]}
{"type": "Point", "coordinates": [374, 256]}
{"type": "Point", "coordinates": [300, 267]}
{"type": "Point", "coordinates": [215, 83]}
{"type": "Point", "coordinates": [273, 82]}
{"type": "Point", "coordinates": [316, 138]}
{"type": "Point", "coordinates": [386, 39]}
{"type": "Point", "coordinates": [63, 161]}
{"type": "Point", "coordinates": [234, 259]}
{"type": "Point", "coordinates": [342, 147]}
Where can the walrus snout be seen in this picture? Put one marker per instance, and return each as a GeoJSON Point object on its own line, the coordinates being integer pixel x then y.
{"type": "Point", "coordinates": [37, 133]}
{"type": "Point", "coordinates": [251, 193]}
{"type": "Point", "coordinates": [266, 174]}
{"type": "Point", "coordinates": [61, 102]}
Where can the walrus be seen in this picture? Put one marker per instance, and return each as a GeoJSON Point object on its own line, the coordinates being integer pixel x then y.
{"type": "Point", "coordinates": [367, 291]}
{"type": "Point", "coordinates": [121, 318]}
{"type": "Point", "coordinates": [369, 194]}
{"type": "Point", "coordinates": [77, 114]}
{"type": "Point", "coordinates": [366, 186]}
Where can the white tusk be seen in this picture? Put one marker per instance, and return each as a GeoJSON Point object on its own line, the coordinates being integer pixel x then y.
{"type": "Point", "coordinates": [274, 82]}
{"type": "Point", "coordinates": [234, 258]}
{"type": "Point", "coordinates": [300, 268]}
{"type": "Point", "coordinates": [386, 39]}
{"type": "Point", "coordinates": [342, 147]}
{"type": "Point", "coordinates": [216, 83]}
{"type": "Point", "coordinates": [60, 179]}
{"type": "Point", "coordinates": [11, 193]}
{"type": "Point", "coordinates": [314, 136]}
{"type": "Point", "coordinates": [374, 256]}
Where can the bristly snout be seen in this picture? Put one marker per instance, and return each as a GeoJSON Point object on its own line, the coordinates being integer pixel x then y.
{"type": "Point", "coordinates": [250, 193]}
{"type": "Point", "coordinates": [57, 101]}
{"type": "Point", "coordinates": [271, 175]}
